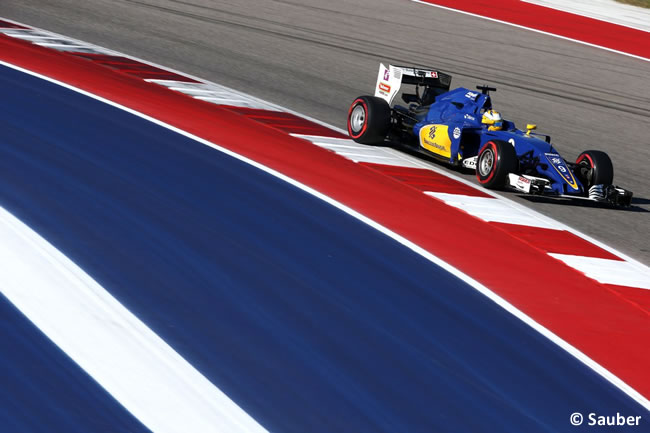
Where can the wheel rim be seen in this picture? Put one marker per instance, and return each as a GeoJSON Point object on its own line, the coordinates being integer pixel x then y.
{"type": "Point", "coordinates": [486, 162]}
{"type": "Point", "coordinates": [586, 171]}
{"type": "Point", "coordinates": [357, 118]}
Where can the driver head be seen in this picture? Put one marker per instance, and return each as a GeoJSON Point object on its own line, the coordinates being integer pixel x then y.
{"type": "Point", "coordinates": [493, 120]}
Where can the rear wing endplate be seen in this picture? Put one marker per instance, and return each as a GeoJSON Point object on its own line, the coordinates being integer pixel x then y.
{"type": "Point", "coordinates": [391, 78]}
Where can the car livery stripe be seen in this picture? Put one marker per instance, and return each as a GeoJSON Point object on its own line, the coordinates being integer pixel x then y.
{"type": "Point", "coordinates": [574, 310]}
{"type": "Point", "coordinates": [554, 22]}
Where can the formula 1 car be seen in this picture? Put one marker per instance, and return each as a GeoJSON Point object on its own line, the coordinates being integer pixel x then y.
{"type": "Point", "coordinates": [460, 128]}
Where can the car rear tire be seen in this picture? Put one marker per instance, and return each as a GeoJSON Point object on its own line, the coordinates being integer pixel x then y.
{"type": "Point", "coordinates": [495, 160]}
{"type": "Point", "coordinates": [369, 120]}
{"type": "Point", "coordinates": [594, 167]}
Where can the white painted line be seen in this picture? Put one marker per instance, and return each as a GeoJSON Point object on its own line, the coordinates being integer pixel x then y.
{"type": "Point", "coordinates": [215, 94]}
{"type": "Point", "coordinates": [586, 360]}
{"type": "Point", "coordinates": [318, 139]}
{"type": "Point", "coordinates": [193, 92]}
{"type": "Point", "coordinates": [364, 153]}
{"type": "Point", "coordinates": [336, 146]}
{"type": "Point", "coordinates": [364, 157]}
{"type": "Point", "coordinates": [230, 102]}
{"type": "Point", "coordinates": [607, 271]}
{"type": "Point", "coordinates": [57, 46]}
{"type": "Point", "coordinates": [33, 36]}
{"type": "Point", "coordinates": [133, 364]}
{"type": "Point", "coordinates": [533, 30]}
{"type": "Point", "coordinates": [489, 209]}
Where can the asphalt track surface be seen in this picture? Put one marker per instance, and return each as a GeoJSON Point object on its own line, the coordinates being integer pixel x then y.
{"type": "Point", "coordinates": [261, 305]}
{"type": "Point", "coordinates": [315, 57]}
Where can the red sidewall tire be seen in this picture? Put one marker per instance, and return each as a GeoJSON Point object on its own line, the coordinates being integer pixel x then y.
{"type": "Point", "coordinates": [490, 176]}
{"type": "Point", "coordinates": [587, 157]}
{"type": "Point", "coordinates": [358, 101]}
{"type": "Point", "coordinates": [600, 166]}
{"type": "Point", "coordinates": [376, 120]}
{"type": "Point", "coordinates": [504, 161]}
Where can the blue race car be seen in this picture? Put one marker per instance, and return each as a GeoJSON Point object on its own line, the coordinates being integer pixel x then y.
{"type": "Point", "coordinates": [461, 128]}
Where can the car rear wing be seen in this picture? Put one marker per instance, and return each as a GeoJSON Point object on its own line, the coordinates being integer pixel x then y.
{"type": "Point", "coordinates": [391, 78]}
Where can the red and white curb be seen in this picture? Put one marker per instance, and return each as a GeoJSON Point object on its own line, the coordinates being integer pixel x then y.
{"type": "Point", "coordinates": [635, 17]}
{"type": "Point", "coordinates": [556, 22]}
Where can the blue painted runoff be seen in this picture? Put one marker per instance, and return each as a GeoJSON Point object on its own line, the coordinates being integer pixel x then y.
{"type": "Point", "coordinates": [307, 318]}
{"type": "Point", "coordinates": [43, 390]}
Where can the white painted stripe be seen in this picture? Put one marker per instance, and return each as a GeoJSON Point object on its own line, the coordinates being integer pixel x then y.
{"type": "Point", "coordinates": [215, 94]}
{"type": "Point", "coordinates": [489, 209]}
{"type": "Point", "coordinates": [336, 147]}
{"type": "Point", "coordinates": [573, 351]}
{"type": "Point", "coordinates": [533, 30]}
{"type": "Point", "coordinates": [59, 46]}
{"type": "Point", "coordinates": [362, 156]}
{"type": "Point", "coordinates": [54, 41]}
{"type": "Point", "coordinates": [121, 353]}
{"type": "Point", "coordinates": [608, 271]}
{"type": "Point", "coordinates": [32, 36]}
{"type": "Point", "coordinates": [362, 153]}
{"type": "Point", "coordinates": [45, 40]}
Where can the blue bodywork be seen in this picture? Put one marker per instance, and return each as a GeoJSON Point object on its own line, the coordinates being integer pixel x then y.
{"type": "Point", "coordinates": [461, 110]}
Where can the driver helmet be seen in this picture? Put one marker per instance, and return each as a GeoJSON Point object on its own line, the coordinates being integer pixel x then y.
{"type": "Point", "coordinates": [493, 120]}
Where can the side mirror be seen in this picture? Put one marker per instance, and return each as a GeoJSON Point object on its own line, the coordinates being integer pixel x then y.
{"type": "Point", "coordinates": [530, 127]}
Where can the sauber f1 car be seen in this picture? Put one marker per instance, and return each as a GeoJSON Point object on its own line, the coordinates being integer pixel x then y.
{"type": "Point", "coordinates": [460, 128]}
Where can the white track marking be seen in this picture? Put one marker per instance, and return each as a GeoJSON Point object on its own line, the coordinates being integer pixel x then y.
{"type": "Point", "coordinates": [131, 362]}
{"type": "Point", "coordinates": [533, 30]}
{"type": "Point", "coordinates": [215, 93]}
{"type": "Point", "coordinates": [607, 271]}
{"type": "Point", "coordinates": [52, 40]}
{"type": "Point", "coordinates": [586, 360]}
{"type": "Point", "coordinates": [359, 152]}
{"type": "Point", "coordinates": [489, 209]}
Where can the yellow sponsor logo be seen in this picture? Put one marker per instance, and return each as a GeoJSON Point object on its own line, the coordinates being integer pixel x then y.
{"type": "Point", "coordinates": [435, 138]}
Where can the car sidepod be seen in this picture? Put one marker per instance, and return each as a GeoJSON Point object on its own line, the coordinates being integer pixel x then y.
{"type": "Point", "coordinates": [442, 141]}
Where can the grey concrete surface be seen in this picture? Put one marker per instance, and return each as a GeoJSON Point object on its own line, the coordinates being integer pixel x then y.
{"type": "Point", "coordinates": [315, 57]}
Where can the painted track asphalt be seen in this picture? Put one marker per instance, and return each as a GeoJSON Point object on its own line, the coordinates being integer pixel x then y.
{"type": "Point", "coordinates": [231, 267]}
{"type": "Point", "coordinates": [315, 57]}
{"type": "Point", "coordinates": [43, 390]}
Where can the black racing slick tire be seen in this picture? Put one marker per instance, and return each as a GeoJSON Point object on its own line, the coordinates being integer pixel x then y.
{"type": "Point", "coordinates": [594, 167]}
{"type": "Point", "coordinates": [369, 120]}
{"type": "Point", "coordinates": [495, 160]}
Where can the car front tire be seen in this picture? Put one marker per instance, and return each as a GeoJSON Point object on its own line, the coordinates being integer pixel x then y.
{"type": "Point", "coordinates": [495, 160]}
{"type": "Point", "coordinates": [594, 167]}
